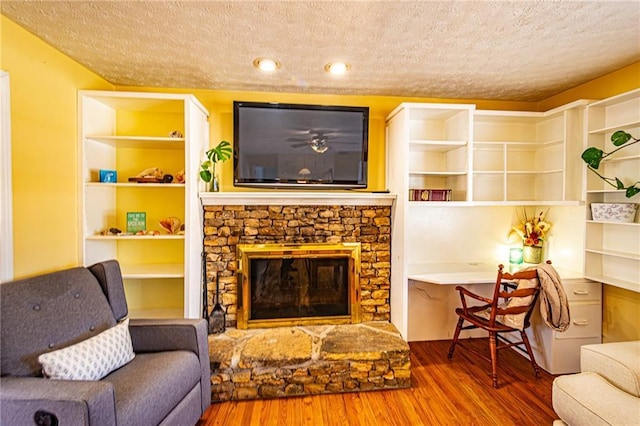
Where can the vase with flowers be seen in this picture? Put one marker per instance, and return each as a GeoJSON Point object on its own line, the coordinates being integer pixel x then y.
{"type": "Point", "coordinates": [532, 230]}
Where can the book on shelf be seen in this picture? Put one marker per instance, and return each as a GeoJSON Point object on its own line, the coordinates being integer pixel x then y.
{"type": "Point", "coordinates": [418, 194]}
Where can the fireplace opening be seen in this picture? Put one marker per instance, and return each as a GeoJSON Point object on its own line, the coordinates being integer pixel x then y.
{"type": "Point", "coordinates": [305, 284]}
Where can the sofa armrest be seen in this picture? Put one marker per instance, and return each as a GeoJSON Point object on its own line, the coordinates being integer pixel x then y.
{"type": "Point", "coordinates": [71, 402]}
{"type": "Point", "coordinates": [159, 335]}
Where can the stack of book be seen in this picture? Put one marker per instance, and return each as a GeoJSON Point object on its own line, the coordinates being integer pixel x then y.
{"type": "Point", "coordinates": [429, 194]}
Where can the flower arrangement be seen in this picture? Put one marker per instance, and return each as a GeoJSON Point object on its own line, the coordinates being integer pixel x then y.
{"type": "Point", "coordinates": [532, 228]}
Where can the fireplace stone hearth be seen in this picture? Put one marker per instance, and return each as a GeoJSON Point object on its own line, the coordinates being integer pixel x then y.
{"type": "Point", "coordinates": [292, 361]}
{"type": "Point", "coordinates": [303, 359]}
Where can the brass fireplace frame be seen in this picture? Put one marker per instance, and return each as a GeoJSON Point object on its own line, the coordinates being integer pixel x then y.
{"type": "Point", "coordinates": [246, 252]}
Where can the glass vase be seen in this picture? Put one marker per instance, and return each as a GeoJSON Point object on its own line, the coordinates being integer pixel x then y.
{"type": "Point", "coordinates": [214, 185]}
{"type": "Point", "coordinates": [532, 254]}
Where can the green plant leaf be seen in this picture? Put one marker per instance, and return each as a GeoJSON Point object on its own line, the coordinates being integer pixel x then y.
{"type": "Point", "coordinates": [619, 184]}
{"type": "Point", "coordinates": [631, 191]}
{"type": "Point", "coordinates": [205, 175]}
{"type": "Point", "coordinates": [222, 152]}
{"type": "Point", "coordinates": [620, 137]}
{"type": "Point", "coordinates": [205, 165]}
{"type": "Point", "coordinates": [592, 156]}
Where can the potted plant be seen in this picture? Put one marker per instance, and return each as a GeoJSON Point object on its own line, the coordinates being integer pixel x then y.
{"type": "Point", "coordinates": [222, 152]}
{"type": "Point", "coordinates": [593, 156]}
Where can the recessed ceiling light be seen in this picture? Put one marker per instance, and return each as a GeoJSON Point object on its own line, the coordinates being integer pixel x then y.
{"type": "Point", "coordinates": [337, 68]}
{"type": "Point", "coordinates": [266, 64]}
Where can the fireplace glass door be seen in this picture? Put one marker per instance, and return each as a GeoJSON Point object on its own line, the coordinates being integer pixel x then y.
{"type": "Point", "coordinates": [293, 285]}
{"type": "Point", "coordinates": [299, 287]}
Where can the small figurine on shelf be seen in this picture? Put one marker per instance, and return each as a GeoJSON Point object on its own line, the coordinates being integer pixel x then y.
{"type": "Point", "coordinates": [176, 134]}
{"type": "Point", "coordinates": [149, 175]}
{"type": "Point", "coordinates": [179, 177]}
{"type": "Point", "coordinates": [111, 231]}
{"type": "Point", "coordinates": [151, 233]}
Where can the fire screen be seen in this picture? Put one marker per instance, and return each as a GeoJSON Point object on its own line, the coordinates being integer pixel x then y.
{"type": "Point", "coordinates": [306, 284]}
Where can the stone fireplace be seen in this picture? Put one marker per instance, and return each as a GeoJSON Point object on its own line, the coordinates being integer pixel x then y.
{"type": "Point", "coordinates": [292, 284]}
{"type": "Point", "coordinates": [234, 219]}
{"type": "Point", "coordinates": [305, 282]}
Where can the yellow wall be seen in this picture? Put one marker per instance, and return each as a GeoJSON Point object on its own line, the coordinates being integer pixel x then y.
{"type": "Point", "coordinates": [620, 315]}
{"type": "Point", "coordinates": [44, 84]}
{"type": "Point", "coordinates": [620, 81]}
{"type": "Point", "coordinates": [220, 105]}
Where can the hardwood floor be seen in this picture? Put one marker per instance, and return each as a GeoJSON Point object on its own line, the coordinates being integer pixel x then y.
{"type": "Point", "coordinates": [443, 392]}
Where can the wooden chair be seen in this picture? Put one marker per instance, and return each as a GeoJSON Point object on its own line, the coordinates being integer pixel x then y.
{"type": "Point", "coordinates": [508, 311]}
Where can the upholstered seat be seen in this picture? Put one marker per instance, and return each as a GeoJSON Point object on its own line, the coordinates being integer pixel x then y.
{"type": "Point", "coordinates": [606, 391]}
{"type": "Point", "coordinates": [165, 380]}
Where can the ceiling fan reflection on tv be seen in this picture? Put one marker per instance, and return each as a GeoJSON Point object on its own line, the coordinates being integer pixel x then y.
{"type": "Point", "coordinates": [318, 139]}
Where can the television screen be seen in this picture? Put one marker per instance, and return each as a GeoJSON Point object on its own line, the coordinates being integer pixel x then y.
{"type": "Point", "coordinates": [293, 145]}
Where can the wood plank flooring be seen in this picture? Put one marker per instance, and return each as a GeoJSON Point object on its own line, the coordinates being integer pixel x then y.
{"type": "Point", "coordinates": [443, 392]}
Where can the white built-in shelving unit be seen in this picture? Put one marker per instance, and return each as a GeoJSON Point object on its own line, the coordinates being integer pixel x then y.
{"type": "Point", "coordinates": [612, 249]}
{"type": "Point", "coordinates": [491, 161]}
{"type": "Point", "coordinates": [129, 132]}
{"type": "Point", "coordinates": [528, 157]}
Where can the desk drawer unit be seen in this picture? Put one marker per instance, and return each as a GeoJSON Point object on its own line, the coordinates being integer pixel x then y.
{"type": "Point", "coordinates": [559, 353]}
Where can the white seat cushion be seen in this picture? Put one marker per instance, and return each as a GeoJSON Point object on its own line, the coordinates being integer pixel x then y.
{"type": "Point", "coordinates": [619, 363]}
{"type": "Point", "coordinates": [589, 399]}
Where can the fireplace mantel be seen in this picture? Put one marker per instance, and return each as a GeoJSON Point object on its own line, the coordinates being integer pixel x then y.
{"type": "Point", "coordinates": [354, 198]}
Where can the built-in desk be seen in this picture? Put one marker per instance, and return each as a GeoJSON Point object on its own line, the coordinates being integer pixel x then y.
{"type": "Point", "coordinates": [433, 300]}
{"type": "Point", "coordinates": [469, 273]}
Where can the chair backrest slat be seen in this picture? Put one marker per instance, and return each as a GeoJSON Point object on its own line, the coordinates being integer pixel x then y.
{"type": "Point", "coordinates": [511, 280]}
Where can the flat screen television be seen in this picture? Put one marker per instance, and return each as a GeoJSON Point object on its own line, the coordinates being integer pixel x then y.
{"type": "Point", "coordinates": [300, 146]}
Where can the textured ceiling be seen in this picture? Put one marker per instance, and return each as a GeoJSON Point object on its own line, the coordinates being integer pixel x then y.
{"type": "Point", "coordinates": [519, 50]}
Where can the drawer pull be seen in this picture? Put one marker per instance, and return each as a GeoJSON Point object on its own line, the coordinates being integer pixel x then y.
{"type": "Point", "coordinates": [581, 322]}
{"type": "Point", "coordinates": [581, 292]}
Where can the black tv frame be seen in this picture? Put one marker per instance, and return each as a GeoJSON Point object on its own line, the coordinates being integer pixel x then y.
{"type": "Point", "coordinates": [362, 182]}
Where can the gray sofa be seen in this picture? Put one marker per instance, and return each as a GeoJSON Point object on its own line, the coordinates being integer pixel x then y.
{"type": "Point", "coordinates": [168, 381]}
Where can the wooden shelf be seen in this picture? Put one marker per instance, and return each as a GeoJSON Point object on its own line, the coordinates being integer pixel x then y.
{"type": "Point", "coordinates": [604, 279]}
{"type": "Point", "coordinates": [613, 128]}
{"type": "Point", "coordinates": [435, 146]}
{"type": "Point", "coordinates": [135, 185]}
{"type": "Point", "coordinates": [135, 237]}
{"type": "Point", "coordinates": [615, 253]}
{"type": "Point", "coordinates": [152, 271]}
{"type": "Point", "coordinates": [159, 313]}
{"type": "Point", "coordinates": [147, 142]}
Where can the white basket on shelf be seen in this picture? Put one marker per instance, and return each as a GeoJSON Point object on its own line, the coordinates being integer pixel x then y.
{"type": "Point", "coordinates": [614, 212]}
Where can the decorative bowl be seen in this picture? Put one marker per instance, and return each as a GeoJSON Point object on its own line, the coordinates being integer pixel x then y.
{"type": "Point", "coordinates": [614, 212]}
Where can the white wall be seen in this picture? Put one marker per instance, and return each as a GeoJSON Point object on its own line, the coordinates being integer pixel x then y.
{"type": "Point", "coordinates": [479, 234]}
{"type": "Point", "coordinates": [475, 234]}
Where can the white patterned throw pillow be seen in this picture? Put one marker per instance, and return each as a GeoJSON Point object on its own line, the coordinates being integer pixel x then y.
{"type": "Point", "coordinates": [91, 359]}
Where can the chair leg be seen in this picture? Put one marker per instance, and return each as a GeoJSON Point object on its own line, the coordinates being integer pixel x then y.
{"type": "Point", "coordinates": [455, 338]}
{"type": "Point", "coordinates": [493, 346]}
{"type": "Point", "coordinates": [534, 364]}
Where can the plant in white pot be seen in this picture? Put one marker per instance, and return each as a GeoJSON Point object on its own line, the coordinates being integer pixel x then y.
{"type": "Point", "coordinates": [222, 152]}
{"type": "Point", "coordinates": [593, 156]}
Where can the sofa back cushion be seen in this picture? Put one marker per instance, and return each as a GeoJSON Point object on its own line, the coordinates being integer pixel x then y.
{"type": "Point", "coordinates": [618, 362]}
{"type": "Point", "coordinates": [109, 276]}
{"type": "Point", "coordinates": [48, 312]}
